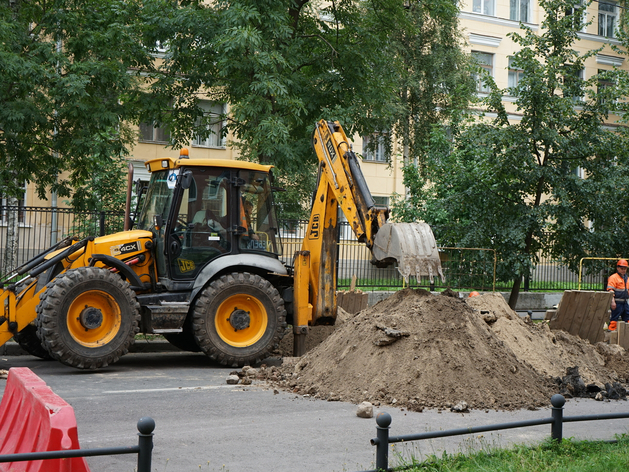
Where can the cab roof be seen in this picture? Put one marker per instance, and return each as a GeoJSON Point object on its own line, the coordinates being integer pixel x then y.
{"type": "Point", "coordinates": [162, 163]}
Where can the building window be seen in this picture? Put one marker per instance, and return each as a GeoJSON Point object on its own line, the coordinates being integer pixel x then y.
{"type": "Point", "coordinates": [486, 7]}
{"type": "Point", "coordinates": [515, 74]}
{"type": "Point", "coordinates": [381, 202]}
{"type": "Point", "coordinates": [486, 63]}
{"type": "Point", "coordinates": [519, 10]}
{"type": "Point", "coordinates": [573, 84]}
{"type": "Point", "coordinates": [603, 83]}
{"type": "Point", "coordinates": [375, 147]}
{"type": "Point", "coordinates": [606, 19]}
{"type": "Point", "coordinates": [211, 127]}
{"type": "Point", "coordinates": [154, 133]}
{"type": "Point", "coordinates": [579, 14]}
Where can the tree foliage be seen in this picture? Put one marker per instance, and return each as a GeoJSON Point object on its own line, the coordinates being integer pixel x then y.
{"type": "Point", "coordinates": [68, 96]}
{"type": "Point", "coordinates": [79, 74]}
{"type": "Point", "coordinates": [549, 179]}
{"type": "Point", "coordinates": [283, 65]}
{"type": "Point", "coordinates": [435, 80]}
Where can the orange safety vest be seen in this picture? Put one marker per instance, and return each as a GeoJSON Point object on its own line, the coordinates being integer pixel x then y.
{"type": "Point", "coordinates": [618, 284]}
{"type": "Point", "coordinates": [243, 217]}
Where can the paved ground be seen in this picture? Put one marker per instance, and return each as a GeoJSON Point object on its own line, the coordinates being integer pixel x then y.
{"type": "Point", "coordinates": [204, 424]}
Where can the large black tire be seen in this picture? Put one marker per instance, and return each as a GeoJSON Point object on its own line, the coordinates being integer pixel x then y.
{"type": "Point", "coordinates": [239, 319]}
{"type": "Point", "coordinates": [28, 340]}
{"type": "Point", "coordinates": [88, 318]}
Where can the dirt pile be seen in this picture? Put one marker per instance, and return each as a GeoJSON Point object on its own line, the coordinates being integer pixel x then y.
{"type": "Point", "coordinates": [418, 350]}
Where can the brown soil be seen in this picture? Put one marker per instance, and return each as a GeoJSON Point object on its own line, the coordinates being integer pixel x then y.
{"type": "Point", "coordinates": [417, 350]}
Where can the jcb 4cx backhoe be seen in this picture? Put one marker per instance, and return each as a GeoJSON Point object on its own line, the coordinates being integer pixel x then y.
{"type": "Point", "coordinates": [201, 265]}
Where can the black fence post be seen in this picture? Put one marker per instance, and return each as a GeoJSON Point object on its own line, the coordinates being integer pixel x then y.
{"type": "Point", "coordinates": [101, 225]}
{"type": "Point", "coordinates": [146, 426]}
{"type": "Point", "coordinates": [383, 421]}
{"type": "Point", "coordinates": [556, 431]}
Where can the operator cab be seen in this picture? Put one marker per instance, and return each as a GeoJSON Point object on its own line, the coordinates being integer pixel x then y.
{"type": "Point", "coordinates": [200, 210]}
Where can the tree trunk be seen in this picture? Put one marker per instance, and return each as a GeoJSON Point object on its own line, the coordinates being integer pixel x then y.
{"type": "Point", "coordinates": [515, 292]}
{"type": "Point", "coordinates": [10, 251]}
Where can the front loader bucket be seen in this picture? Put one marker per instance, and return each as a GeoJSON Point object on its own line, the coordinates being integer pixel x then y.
{"type": "Point", "coordinates": [412, 245]}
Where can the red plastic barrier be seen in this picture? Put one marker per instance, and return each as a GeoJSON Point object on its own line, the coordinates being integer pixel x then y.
{"type": "Point", "coordinates": [34, 419]}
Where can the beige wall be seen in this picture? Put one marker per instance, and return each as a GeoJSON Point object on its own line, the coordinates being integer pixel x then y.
{"type": "Point", "coordinates": [489, 34]}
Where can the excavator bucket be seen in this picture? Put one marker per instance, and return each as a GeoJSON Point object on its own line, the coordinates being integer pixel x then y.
{"type": "Point", "coordinates": [412, 245]}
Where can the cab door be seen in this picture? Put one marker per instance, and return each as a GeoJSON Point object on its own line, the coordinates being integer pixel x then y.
{"type": "Point", "coordinates": [201, 222]}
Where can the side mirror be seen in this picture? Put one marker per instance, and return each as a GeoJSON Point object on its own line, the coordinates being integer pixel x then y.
{"type": "Point", "coordinates": [186, 179]}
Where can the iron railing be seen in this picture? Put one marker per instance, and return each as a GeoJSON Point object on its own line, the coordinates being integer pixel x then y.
{"type": "Point", "coordinates": [34, 229]}
{"type": "Point", "coordinates": [28, 231]}
{"type": "Point", "coordinates": [144, 450]}
{"type": "Point", "coordinates": [556, 420]}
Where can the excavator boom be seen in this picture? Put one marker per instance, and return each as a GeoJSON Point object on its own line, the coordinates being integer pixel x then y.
{"type": "Point", "coordinates": [341, 184]}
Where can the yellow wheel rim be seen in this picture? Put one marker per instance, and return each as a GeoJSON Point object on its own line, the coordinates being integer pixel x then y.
{"type": "Point", "coordinates": [94, 318]}
{"type": "Point", "coordinates": [241, 320]}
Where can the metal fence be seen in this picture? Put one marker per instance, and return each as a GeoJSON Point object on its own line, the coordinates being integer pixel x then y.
{"type": "Point", "coordinates": [32, 230]}
{"type": "Point", "coordinates": [144, 450]}
{"type": "Point", "coordinates": [463, 268]}
{"type": "Point", "coordinates": [28, 231]}
{"type": "Point", "coordinates": [383, 421]}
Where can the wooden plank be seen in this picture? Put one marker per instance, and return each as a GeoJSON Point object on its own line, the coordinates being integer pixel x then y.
{"type": "Point", "coordinates": [582, 313]}
{"type": "Point", "coordinates": [623, 334]}
{"type": "Point", "coordinates": [620, 330]}
{"type": "Point", "coordinates": [596, 334]}
{"type": "Point", "coordinates": [590, 316]}
{"type": "Point", "coordinates": [352, 302]}
{"type": "Point", "coordinates": [365, 302]}
{"type": "Point", "coordinates": [352, 285]}
{"type": "Point", "coordinates": [550, 314]}
{"type": "Point", "coordinates": [575, 308]}
{"type": "Point", "coordinates": [565, 312]}
{"type": "Point", "coordinates": [613, 337]}
{"type": "Point", "coordinates": [619, 333]}
{"type": "Point", "coordinates": [556, 320]}
{"type": "Point", "coordinates": [583, 310]}
{"type": "Point", "coordinates": [340, 300]}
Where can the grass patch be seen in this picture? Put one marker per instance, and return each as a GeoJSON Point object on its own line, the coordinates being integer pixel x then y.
{"type": "Point", "coordinates": [149, 337]}
{"type": "Point", "coordinates": [569, 456]}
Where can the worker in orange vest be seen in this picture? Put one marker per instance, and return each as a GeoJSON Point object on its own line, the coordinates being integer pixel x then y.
{"type": "Point", "coordinates": [617, 283]}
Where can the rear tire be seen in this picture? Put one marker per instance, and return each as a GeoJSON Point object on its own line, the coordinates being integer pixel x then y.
{"type": "Point", "coordinates": [239, 319]}
{"type": "Point", "coordinates": [88, 318]}
{"type": "Point", "coordinates": [30, 342]}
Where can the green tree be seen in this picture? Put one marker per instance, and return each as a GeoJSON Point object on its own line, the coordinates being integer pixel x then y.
{"type": "Point", "coordinates": [551, 182]}
{"type": "Point", "coordinates": [282, 65]}
{"type": "Point", "coordinates": [435, 79]}
{"type": "Point", "coordinates": [68, 96]}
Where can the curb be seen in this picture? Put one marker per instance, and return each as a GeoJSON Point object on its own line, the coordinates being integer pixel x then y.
{"type": "Point", "coordinates": [11, 348]}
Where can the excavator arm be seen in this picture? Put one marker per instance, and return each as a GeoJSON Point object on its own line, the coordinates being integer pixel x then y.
{"type": "Point", "coordinates": [341, 184]}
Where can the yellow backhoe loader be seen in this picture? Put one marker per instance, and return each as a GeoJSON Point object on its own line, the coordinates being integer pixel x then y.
{"type": "Point", "coordinates": [200, 265]}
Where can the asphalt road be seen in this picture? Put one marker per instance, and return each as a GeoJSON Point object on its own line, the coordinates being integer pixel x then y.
{"type": "Point", "coordinates": [204, 424]}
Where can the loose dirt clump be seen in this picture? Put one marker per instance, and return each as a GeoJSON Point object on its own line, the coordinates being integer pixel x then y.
{"type": "Point", "coordinates": [417, 350]}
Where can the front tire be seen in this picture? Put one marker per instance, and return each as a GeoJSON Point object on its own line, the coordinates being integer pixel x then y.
{"type": "Point", "coordinates": [239, 319]}
{"type": "Point", "coordinates": [88, 318]}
